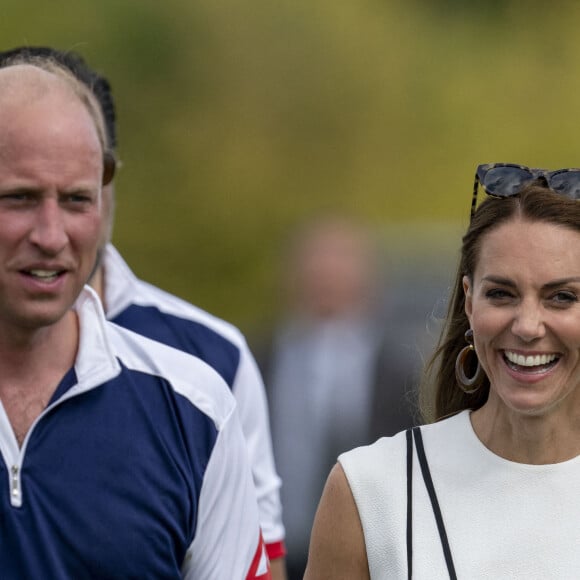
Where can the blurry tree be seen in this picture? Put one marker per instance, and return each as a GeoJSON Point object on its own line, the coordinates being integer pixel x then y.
{"type": "Point", "coordinates": [239, 118]}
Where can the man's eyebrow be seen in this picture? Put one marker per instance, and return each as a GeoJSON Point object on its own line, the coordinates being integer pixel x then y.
{"type": "Point", "coordinates": [82, 189]}
{"type": "Point", "coordinates": [19, 189]}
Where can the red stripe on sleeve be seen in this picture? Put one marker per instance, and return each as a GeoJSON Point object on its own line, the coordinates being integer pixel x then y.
{"type": "Point", "coordinates": [276, 550]}
{"type": "Point", "coordinates": [260, 567]}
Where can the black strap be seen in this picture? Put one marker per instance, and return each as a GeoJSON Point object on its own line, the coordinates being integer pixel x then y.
{"type": "Point", "coordinates": [409, 504]}
{"type": "Point", "coordinates": [434, 503]}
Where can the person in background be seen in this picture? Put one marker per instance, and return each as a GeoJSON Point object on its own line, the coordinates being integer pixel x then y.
{"type": "Point", "coordinates": [488, 490]}
{"type": "Point", "coordinates": [120, 457]}
{"type": "Point", "coordinates": [147, 310]}
{"type": "Point", "coordinates": [330, 364]}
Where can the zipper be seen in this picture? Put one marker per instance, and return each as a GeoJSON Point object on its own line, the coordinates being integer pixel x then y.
{"type": "Point", "coordinates": [15, 489]}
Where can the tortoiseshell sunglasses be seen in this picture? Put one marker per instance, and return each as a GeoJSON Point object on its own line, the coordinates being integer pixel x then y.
{"type": "Point", "coordinates": [507, 179]}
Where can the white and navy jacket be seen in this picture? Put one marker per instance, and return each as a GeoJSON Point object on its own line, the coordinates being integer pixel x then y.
{"type": "Point", "coordinates": [135, 469]}
{"type": "Point", "coordinates": [148, 310]}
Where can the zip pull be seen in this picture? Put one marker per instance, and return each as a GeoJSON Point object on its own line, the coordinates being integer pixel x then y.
{"type": "Point", "coordinates": [15, 496]}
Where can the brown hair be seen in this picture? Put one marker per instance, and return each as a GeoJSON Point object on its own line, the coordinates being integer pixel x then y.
{"type": "Point", "coordinates": [440, 395]}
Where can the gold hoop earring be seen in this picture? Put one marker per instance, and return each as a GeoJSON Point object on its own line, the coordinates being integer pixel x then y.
{"type": "Point", "coordinates": [466, 384]}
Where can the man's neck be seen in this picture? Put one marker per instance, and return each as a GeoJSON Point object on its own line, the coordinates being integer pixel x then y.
{"type": "Point", "coordinates": [30, 371]}
{"type": "Point", "coordinates": [97, 282]}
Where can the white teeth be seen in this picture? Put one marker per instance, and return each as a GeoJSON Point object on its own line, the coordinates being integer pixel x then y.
{"type": "Point", "coordinates": [530, 361]}
{"type": "Point", "coordinates": [43, 273]}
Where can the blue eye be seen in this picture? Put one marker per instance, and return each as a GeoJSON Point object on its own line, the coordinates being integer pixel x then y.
{"type": "Point", "coordinates": [77, 201]}
{"type": "Point", "coordinates": [77, 198]}
{"type": "Point", "coordinates": [17, 196]}
{"type": "Point", "coordinates": [18, 199]}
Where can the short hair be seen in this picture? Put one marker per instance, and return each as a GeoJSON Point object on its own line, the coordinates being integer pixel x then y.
{"type": "Point", "coordinates": [441, 396]}
{"type": "Point", "coordinates": [75, 64]}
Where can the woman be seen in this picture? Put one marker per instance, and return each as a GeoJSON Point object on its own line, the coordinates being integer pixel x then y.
{"type": "Point", "coordinates": [496, 493]}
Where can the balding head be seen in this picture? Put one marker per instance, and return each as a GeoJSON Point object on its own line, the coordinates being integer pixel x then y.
{"type": "Point", "coordinates": [26, 82]}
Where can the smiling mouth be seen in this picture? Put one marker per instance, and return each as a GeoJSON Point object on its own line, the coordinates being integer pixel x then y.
{"type": "Point", "coordinates": [44, 275]}
{"type": "Point", "coordinates": [530, 364]}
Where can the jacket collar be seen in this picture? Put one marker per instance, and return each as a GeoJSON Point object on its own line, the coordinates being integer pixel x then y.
{"type": "Point", "coordinates": [95, 361]}
{"type": "Point", "coordinates": [120, 283]}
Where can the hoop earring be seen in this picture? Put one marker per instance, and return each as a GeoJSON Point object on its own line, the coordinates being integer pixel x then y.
{"type": "Point", "coordinates": [466, 383]}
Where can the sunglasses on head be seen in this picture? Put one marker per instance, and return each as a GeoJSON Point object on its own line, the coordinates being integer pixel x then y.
{"type": "Point", "coordinates": [507, 179]}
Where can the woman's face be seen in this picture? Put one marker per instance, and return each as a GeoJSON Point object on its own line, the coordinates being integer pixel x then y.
{"type": "Point", "coordinates": [524, 308]}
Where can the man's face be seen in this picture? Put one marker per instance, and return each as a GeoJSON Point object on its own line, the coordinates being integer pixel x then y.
{"type": "Point", "coordinates": [50, 215]}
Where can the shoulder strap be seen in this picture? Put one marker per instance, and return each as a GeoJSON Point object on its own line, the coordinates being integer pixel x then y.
{"type": "Point", "coordinates": [434, 503]}
{"type": "Point", "coordinates": [409, 504]}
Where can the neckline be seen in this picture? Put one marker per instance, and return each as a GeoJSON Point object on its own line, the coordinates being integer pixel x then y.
{"type": "Point", "coordinates": [464, 418]}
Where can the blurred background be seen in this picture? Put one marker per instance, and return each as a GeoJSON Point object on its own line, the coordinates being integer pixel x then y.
{"type": "Point", "coordinates": [240, 119]}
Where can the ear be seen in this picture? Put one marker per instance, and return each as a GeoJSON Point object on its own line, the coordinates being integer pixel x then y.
{"type": "Point", "coordinates": [468, 291]}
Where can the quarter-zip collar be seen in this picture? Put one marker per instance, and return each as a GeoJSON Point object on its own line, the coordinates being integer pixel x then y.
{"type": "Point", "coordinates": [94, 365]}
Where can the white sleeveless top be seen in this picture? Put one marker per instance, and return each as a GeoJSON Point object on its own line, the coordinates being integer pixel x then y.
{"type": "Point", "coordinates": [503, 519]}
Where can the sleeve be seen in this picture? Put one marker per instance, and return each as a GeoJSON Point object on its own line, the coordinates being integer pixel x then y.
{"type": "Point", "coordinates": [250, 395]}
{"type": "Point", "coordinates": [228, 542]}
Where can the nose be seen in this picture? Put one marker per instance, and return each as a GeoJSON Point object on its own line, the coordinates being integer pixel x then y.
{"type": "Point", "coordinates": [528, 323]}
{"type": "Point", "coordinates": [48, 232]}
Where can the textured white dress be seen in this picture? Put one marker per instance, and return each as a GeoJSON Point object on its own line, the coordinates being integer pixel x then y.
{"type": "Point", "coordinates": [503, 519]}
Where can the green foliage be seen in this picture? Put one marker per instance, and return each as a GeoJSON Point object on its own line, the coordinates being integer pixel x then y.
{"type": "Point", "coordinates": [237, 119]}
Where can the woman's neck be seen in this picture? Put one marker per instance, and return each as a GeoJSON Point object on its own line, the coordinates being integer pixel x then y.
{"type": "Point", "coordinates": [552, 437]}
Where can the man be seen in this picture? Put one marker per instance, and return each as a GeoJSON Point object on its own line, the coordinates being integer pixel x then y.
{"type": "Point", "coordinates": [121, 457]}
{"type": "Point", "coordinates": [332, 361]}
{"type": "Point", "coordinates": [140, 307]}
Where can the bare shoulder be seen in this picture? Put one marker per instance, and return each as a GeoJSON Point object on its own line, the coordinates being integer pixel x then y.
{"type": "Point", "coordinates": [337, 546]}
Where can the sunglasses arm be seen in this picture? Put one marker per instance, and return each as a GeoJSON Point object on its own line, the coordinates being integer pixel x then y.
{"type": "Point", "coordinates": [474, 198]}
